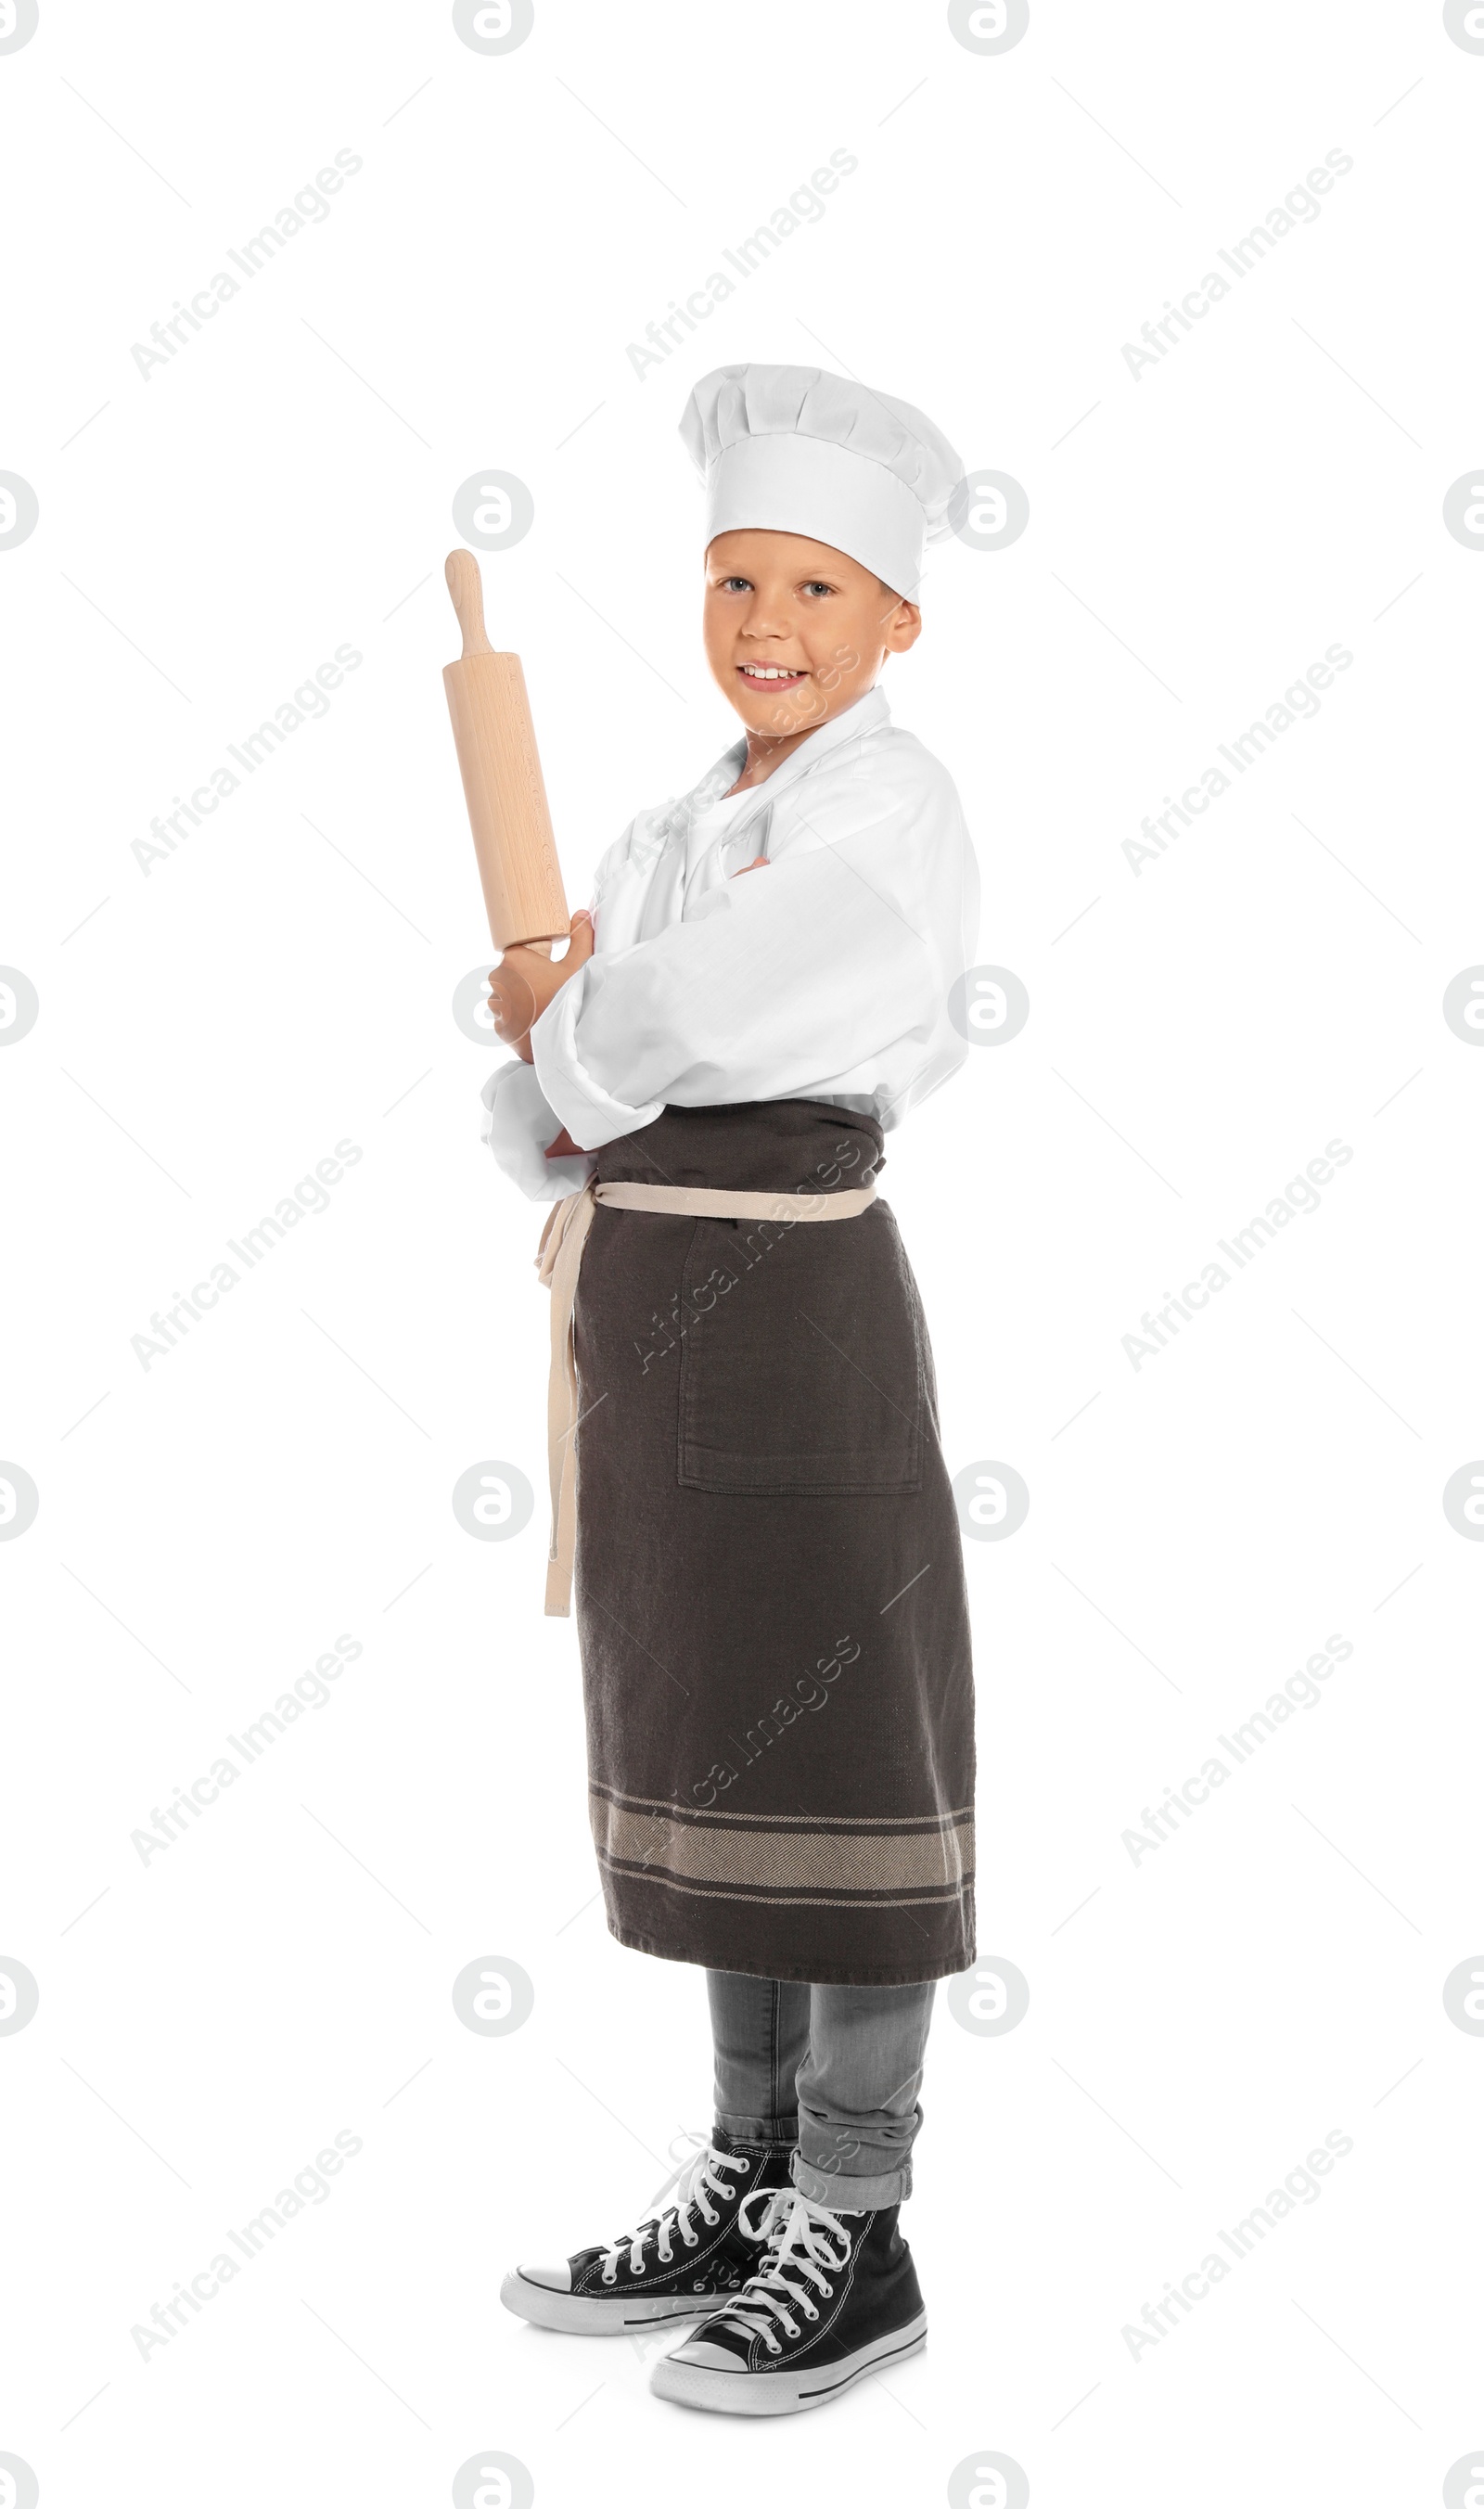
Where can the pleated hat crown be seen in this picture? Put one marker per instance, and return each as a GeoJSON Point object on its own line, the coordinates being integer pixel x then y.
{"type": "Point", "coordinates": [795, 449]}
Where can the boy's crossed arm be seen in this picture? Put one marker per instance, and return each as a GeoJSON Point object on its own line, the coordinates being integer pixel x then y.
{"type": "Point", "coordinates": [525, 980]}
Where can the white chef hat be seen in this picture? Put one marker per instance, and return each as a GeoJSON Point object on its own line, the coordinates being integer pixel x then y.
{"type": "Point", "coordinates": [793, 449]}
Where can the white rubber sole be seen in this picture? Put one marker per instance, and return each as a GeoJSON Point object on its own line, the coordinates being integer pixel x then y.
{"type": "Point", "coordinates": [568, 2312]}
{"type": "Point", "coordinates": [782, 2391]}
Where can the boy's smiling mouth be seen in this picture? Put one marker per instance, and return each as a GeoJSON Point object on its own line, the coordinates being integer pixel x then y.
{"type": "Point", "coordinates": [772, 674]}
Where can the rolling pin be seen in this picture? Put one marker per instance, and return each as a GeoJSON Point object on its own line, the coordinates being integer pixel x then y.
{"type": "Point", "coordinates": [503, 783]}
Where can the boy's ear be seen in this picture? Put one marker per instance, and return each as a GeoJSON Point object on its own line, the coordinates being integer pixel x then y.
{"type": "Point", "coordinates": [904, 627]}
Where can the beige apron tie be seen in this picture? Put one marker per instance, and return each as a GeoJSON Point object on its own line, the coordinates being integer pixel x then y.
{"type": "Point", "coordinates": [559, 1260]}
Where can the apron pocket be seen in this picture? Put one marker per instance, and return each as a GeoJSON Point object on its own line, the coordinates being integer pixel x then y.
{"type": "Point", "coordinates": [803, 1362]}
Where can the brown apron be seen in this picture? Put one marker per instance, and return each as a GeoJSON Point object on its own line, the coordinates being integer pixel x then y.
{"type": "Point", "coordinates": [770, 1581]}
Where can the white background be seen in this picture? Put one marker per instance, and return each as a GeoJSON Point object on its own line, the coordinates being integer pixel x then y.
{"type": "Point", "coordinates": [1198, 1030]}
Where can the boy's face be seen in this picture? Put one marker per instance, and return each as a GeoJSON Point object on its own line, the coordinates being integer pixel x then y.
{"type": "Point", "coordinates": [795, 631]}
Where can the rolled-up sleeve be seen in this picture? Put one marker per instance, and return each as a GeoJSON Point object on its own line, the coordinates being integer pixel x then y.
{"type": "Point", "coordinates": [518, 1125]}
{"type": "Point", "coordinates": [825, 975]}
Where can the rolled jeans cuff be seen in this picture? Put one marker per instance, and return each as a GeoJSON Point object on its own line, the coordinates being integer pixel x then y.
{"type": "Point", "coordinates": [755, 2129]}
{"type": "Point", "coordinates": [843, 2192]}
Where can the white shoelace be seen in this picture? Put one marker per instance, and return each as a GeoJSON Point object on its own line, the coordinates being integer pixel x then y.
{"type": "Point", "coordinates": [801, 2256]}
{"type": "Point", "coordinates": [688, 2189]}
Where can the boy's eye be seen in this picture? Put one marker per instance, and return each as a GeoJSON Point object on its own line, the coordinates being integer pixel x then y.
{"type": "Point", "coordinates": [735, 584]}
{"type": "Point", "coordinates": [817, 586]}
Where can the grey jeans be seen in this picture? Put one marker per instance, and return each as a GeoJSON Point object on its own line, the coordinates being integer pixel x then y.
{"type": "Point", "coordinates": [834, 2070]}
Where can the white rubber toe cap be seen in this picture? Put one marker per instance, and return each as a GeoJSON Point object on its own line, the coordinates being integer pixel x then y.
{"type": "Point", "coordinates": [551, 2277]}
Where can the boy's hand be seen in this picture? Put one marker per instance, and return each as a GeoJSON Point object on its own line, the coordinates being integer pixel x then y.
{"type": "Point", "coordinates": [524, 981]}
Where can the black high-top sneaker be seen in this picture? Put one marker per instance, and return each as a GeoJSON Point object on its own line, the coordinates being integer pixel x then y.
{"type": "Point", "coordinates": [686, 2252]}
{"type": "Point", "coordinates": [834, 2298]}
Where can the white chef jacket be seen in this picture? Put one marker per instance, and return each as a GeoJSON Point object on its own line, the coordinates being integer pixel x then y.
{"type": "Point", "coordinates": [826, 975]}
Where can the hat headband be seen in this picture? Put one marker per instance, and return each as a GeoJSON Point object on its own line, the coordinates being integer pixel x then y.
{"type": "Point", "coordinates": [822, 491]}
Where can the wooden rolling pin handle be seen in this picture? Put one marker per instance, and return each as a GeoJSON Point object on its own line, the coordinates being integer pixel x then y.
{"type": "Point", "coordinates": [461, 574]}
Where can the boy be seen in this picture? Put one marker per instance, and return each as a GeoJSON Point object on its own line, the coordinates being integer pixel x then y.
{"type": "Point", "coordinates": [770, 1596]}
